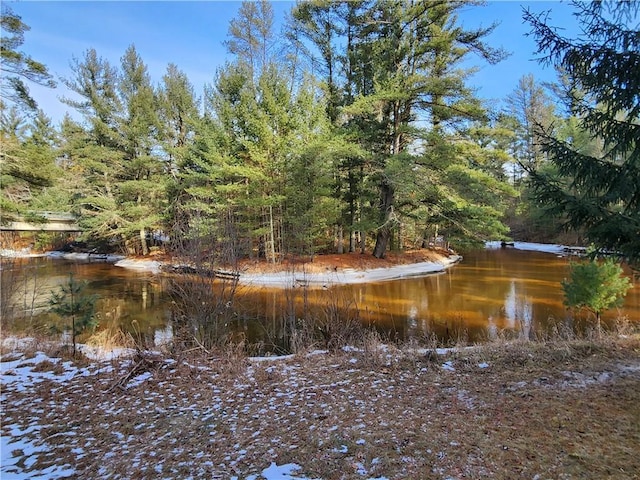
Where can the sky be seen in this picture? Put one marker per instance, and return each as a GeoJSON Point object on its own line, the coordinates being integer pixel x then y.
{"type": "Point", "coordinates": [190, 34]}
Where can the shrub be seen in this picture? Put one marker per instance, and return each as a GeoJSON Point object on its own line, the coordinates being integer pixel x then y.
{"type": "Point", "coordinates": [72, 302]}
{"type": "Point", "coordinates": [596, 287]}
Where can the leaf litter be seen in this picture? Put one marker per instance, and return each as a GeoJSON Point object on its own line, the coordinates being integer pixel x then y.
{"type": "Point", "coordinates": [513, 411]}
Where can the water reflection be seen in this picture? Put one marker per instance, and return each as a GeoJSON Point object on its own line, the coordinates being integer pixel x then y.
{"type": "Point", "coordinates": [491, 292]}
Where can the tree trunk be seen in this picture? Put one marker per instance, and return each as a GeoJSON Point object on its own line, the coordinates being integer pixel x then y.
{"type": "Point", "coordinates": [143, 241]}
{"type": "Point", "coordinates": [387, 195]}
{"type": "Point", "coordinates": [272, 248]}
{"type": "Point", "coordinates": [340, 239]}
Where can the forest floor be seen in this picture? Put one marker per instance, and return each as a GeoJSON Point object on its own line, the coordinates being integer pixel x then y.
{"type": "Point", "coordinates": [554, 410]}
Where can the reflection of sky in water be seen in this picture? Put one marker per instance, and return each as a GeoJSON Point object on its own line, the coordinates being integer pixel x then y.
{"type": "Point", "coordinates": [518, 310]}
{"type": "Point", "coordinates": [510, 305]}
{"type": "Point", "coordinates": [488, 293]}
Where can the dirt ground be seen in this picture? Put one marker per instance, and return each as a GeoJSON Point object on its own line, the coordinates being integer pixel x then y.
{"type": "Point", "coordinates": [560, 410]}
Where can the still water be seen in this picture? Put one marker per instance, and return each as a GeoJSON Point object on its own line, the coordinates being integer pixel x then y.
{"type": "Point", "coordinates": [491, 292]}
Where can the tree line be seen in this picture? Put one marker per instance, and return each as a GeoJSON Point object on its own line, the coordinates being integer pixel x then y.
{"type": "Point", "coordinates": [353, 129]}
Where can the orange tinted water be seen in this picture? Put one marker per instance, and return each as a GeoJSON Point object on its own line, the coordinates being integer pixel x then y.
{"type": "Point", "coordinates": [491, 292]}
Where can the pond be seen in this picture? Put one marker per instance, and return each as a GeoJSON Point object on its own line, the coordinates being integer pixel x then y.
{"type": "Point", "coordinates": [491, 292]}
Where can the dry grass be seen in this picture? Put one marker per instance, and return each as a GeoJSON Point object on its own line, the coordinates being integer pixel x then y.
{"type": "Point", "coordinates": [550, 410]}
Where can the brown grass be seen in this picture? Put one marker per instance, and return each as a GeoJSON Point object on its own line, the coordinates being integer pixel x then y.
{"type": "Point", "coordinates": [554, 410]}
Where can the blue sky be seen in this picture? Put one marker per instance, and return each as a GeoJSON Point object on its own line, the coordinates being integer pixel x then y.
{"type": "Point", "coordinates": [191, 35]}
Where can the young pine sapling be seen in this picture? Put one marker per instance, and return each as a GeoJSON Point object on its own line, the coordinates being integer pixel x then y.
{"type": "Point", "coordinates": [596, 287]}
{"type": "Point", "coordinates": [71, 301]}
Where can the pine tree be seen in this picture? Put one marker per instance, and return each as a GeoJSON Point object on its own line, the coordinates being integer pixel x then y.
{"type": "Point", "coordinates": [72, 302]}
{"type": "Point", "coordinates": [401, 63]}
{"type": "Point", "coordinates": [16, 66]}
{"type": "Point", "coordinates": [597, 192]}
{"type": "Point", "coordinates": [530, 106]}
{"type": "Point", "coordinates": [27, 160]}
{"type": "Point", "coordinates": [117, 145]}
{"type": "Point", "coordinates": [596, 287]}
{"type": "Point", "coordinates": [141, 185]}
{"type": "Point", "coordinates": [41, 151]}
{"type": "Point", "coordinates": [93, 147]}
{"type": "Point", "coordinates": [251, 36]}
{"type": "Point", "coordinates": [179, 120]}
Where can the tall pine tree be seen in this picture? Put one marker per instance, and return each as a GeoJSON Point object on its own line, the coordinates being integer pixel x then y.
{"type": "Point", "coordinates": [597, 192]}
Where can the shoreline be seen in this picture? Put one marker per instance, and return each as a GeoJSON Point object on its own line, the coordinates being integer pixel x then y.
{"type": "Point", "coordinates": [298, 276]}
{"type": "Point", "coordinates": [347, 276]}
{"type": "Point", "coordinates": [293, 278]}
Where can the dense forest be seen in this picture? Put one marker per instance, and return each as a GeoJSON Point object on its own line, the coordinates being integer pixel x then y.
{"type": "Point", "coordinates": [353, 129]}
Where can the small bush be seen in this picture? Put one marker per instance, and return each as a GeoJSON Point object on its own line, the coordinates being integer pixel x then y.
{"type": "Point", "coordinates": [596, 287]}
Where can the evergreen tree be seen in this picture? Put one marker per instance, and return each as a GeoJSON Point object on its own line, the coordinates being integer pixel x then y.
{"type": "Point", "coordinates": [141, 185]}
{"type": "Point", "coordinates": [247, 152]}
{"type": "Point", "coordinates": [251, 36]}
{"type": "Point", "coordinates": [94, 146]}
{"type": "Point", "coordinates": [597, 192]}
{"type": "Point", "coordinates": [239, 179]}
{"type": "Point", "coordinates": [401, 63]}
{"type": "Point", "coordinates": [41, 150]}
{"type": "Point", "coordinates": [178, 115]}
{"type": "Point", "coordinates": [16, 66]}
{"type": "Point", "coordinates": [27, 160]}
{"type": "Point", "coordinates": [117, 147]}
{"type": "Point", "coordinates": [179, 120]}
{"type": "Point", "coordinates": [596, 287]}
{"type": "Point", "coordinates": [72, 302]}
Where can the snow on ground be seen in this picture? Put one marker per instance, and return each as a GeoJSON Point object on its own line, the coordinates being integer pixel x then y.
{"type": "Point", "coordinates": [50, 443]}
{"type": "Point", "coordinates": [152, 266]}
{"type": "Point", "coordinates": [99, 257]}
{"type": "Point", "coordinates": [534, 247]}
{"type": "Point", "coordinates": [22, 253]}
{"type": "Point", "coordinates": [27, 253]}
{"type": "Point", "coordinates": [352, 415]}
{"type": "Point", "coordinates": [346, 276]}
{"type": "Point", "coordinates": [20, 449]}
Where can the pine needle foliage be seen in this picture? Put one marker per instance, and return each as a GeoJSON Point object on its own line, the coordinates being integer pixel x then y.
{"type": "Point", "coordinates": [72, 302]}
{"type": "Point", "coordinates": [596, 287]}
{"type": "Point", "coordinates": [600, 193]}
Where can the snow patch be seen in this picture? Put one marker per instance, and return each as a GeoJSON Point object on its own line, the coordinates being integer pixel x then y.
{"type": "Point", "coordinates": [84, 256]}
{"type": "Point", "coordinates": [17, 453]}
{"type": "Point", "coordinates": [448, 366]}
{"type": "Point", "coordinates": [529, 246]}
{"type": "Point", "coordinates": [282, 472]}
{"type": "Point", "coordinates": [152, 266]}
{"type": "Point", "coordinates": [22, 253]}
{"type": "Point", "coordinates": [348, 276]}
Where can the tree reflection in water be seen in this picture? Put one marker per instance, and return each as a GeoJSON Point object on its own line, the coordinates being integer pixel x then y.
{"type": "Point", "coordinates": [492, 293]}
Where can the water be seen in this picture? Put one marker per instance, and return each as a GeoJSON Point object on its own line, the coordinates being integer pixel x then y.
{"type": "Point", "coordinates": [492, 292]}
